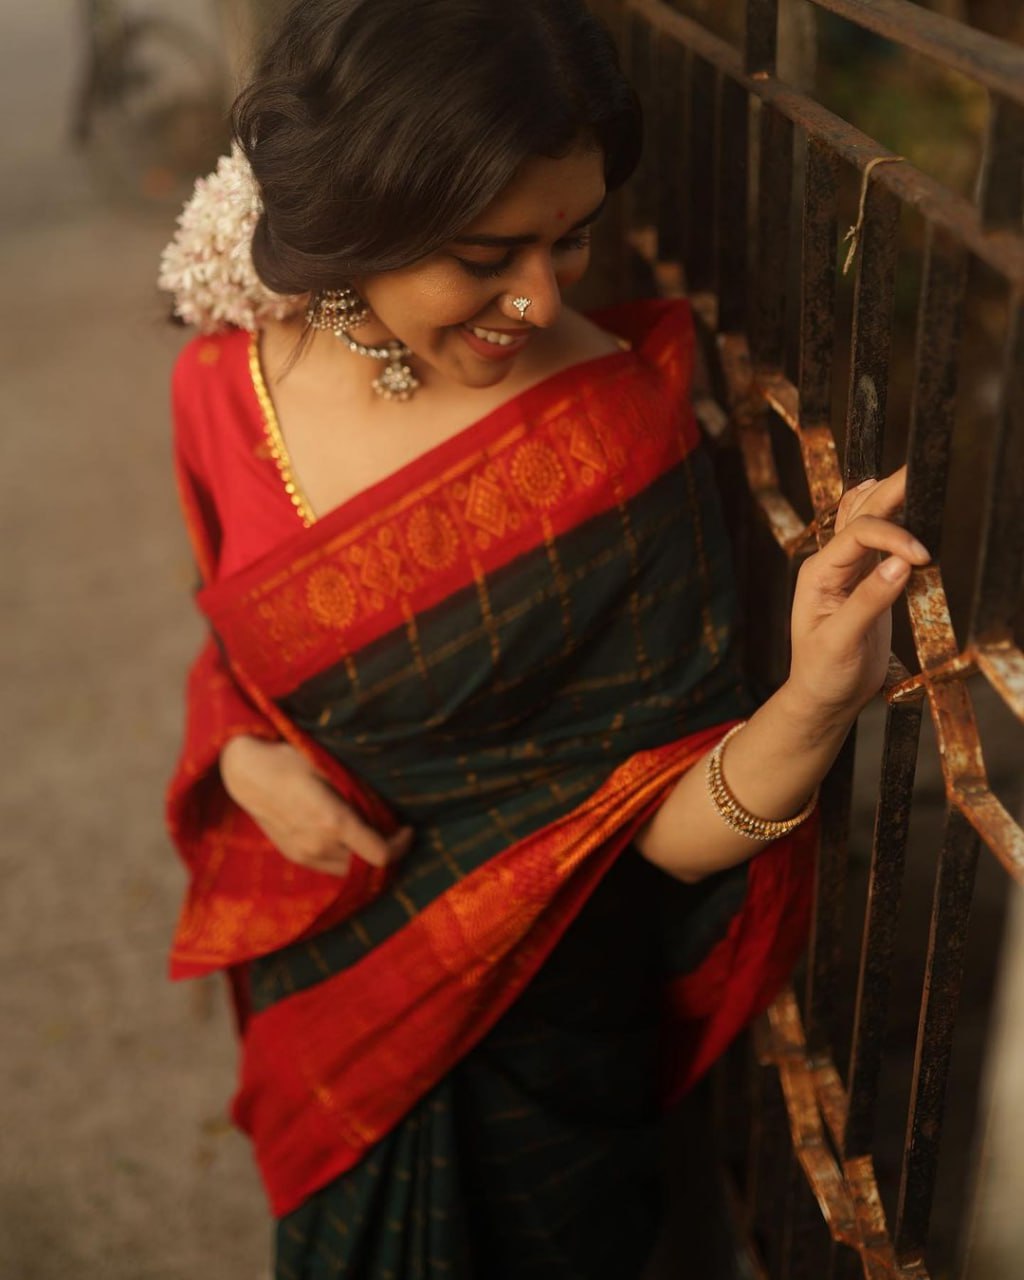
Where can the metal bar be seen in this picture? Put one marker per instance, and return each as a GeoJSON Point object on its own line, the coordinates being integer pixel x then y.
{"type": "Point", "coordinates": [748, 1255]}
{"type": "Point", "coordinates": [759, 1119]}
{"type": "Point", "coordinates": [774, 199]}
{"type": "Point", "coordinates": [700, 246]}
{"type": "Point", "coordinates": [844, 1263]}
{"type": "Point", "coordinates": [818, 283]}
{"type": "Point", "coordinates": [732, 144]}
{"type": "Point", "coordinates": [641, 65]}
{"type": "Point", "coordinates": [1001, 182]}
{"type": "Point", "coordinates": [939, 323]}
{"type": "Point", "coordinates": [956, 729]}
{"type": "Point", "coordinates": [994, 824]}
{"type": "Point", "coordinates": [885, 890]}
{"type": "Point", "coordinates": [773, 1150]}
{"type": "Point", "coordinates": [1001, 568]}
{"type": "Point", "coordinates": [714, 104]}
{"type": "Point", "coordinates": [995, 63]}
{"type": "Point", "coordinates": [831, 1098]}
{"type": "Point", "coordinates": [954, 886]}
{"type": "Point", "coordinates": [807, 1240]}
{"type": "Point", "coordinates": [754, 1092]}
{"type": "Point", "coordinates": [1003, 667]}
{"type": "Point", "coordinates": [878, 1260]}
{"type": "Point", "coordinates": [1003, 252]}
{"type": "Point", "coordinates": [871, 342]}
{"type": "Point", "coordinates": [762, 36]}
{"type": "Point", "coordinates": [797, 1075]}
{"type": "Point", "coordinates": [817, 328]}
{"type": "Point", "coordinates": [670, 136]}
{"type": "Point", "coordinates": [821, 1001]}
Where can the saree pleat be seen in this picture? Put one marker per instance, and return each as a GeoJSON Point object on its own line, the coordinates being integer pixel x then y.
{"type": "Point", "coordinates": [515, 645]}
{"type": "Point", "coordinates": [548, 1131]}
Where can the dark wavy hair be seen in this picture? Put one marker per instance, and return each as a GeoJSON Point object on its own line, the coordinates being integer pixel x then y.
{"type": "Point", "coordinates": [379, 129]}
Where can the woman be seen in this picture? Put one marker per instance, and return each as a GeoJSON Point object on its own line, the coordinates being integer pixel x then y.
{"type": "Point", "coordinates": [472, 630]}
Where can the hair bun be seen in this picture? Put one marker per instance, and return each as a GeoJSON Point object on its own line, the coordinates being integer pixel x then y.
{"type": "Point", "coordinates": [208, 265]}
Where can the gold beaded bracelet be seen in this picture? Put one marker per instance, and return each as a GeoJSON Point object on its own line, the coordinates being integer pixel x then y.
{"type": "Point", "coordinates": [732, 812]}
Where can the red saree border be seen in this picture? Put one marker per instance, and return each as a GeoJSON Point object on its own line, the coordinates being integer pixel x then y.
{"type": "Point", "coordinates": [318, 1089]}
{"type": "Point", "coordinates": [660, 330]}
{"type": "Point", "coordinates": [350, 580]}
{"type": "Point", "coordinates": [223, 923]}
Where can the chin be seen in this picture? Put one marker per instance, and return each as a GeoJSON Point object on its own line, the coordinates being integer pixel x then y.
{"type": "Point", "coordinates": [483, 377]}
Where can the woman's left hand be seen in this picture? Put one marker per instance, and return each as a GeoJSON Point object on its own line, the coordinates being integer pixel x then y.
{"type": "Point", "coordinates": [841, 626]}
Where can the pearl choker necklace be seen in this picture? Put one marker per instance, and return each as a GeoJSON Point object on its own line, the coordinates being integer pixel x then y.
{"type": "Point", "coordinates": [397, 381]}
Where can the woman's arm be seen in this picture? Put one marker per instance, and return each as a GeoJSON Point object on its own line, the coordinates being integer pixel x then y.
{"type": "Point", "coordinates": [229, 743]}
{"type": "Point", "coordinates": [841, 637]}
{"type": "Point", "coordinates": [299, 812]}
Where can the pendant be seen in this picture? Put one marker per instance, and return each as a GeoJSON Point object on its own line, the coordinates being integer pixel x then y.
{"type": "Point", "coordinates": [397, 381]}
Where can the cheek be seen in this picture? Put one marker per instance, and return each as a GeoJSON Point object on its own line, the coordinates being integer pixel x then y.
{"type": "Point", "coordinates": [446, 298]}
{"type": "Point", "coordinates": [424, 300]}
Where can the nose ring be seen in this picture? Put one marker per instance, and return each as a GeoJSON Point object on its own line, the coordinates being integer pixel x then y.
{"type": "Point", "coordinates": [522, 305]}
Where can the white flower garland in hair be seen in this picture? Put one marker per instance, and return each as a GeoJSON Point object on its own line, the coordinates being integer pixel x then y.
{"type": "Point", "coordinates": [208, 265]}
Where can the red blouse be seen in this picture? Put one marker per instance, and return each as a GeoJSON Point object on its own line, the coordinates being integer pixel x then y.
{"type": "Point", "coordinates": [229, 447]}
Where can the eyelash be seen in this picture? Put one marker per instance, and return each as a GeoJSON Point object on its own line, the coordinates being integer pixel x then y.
{"type": "Point", "coordinates": [491, 271]}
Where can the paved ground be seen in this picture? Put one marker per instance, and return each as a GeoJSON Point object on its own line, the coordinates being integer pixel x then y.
{"type": "Point", "coordinates": [115, 1162]}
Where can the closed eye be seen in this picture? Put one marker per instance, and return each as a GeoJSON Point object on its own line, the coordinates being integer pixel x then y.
{"type": "Point", "coordinates": [491, 270]}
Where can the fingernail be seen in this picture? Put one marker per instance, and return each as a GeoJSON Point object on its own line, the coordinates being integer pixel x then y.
{"type": "Point", "coordinates": [920, 549]}
{"type": "Point", "coordinates": [894, 568]}
{"type": "Point", "coordinates": [865, 483]}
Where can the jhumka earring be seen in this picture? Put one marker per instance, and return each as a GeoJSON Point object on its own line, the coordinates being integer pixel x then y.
{"type": "Point", "coordinates": [337, 311]}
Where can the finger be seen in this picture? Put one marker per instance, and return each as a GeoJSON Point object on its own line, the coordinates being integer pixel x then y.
{"type": "Point", "coordinates": [863, 535]}
{"type": "Point", "coordinates": [327, 856]}
{"type": "Point", "coordinates": [873, 497]}
{"type": "Point", "coordinates": [887, 496]}
{"type": "Point", "coordinates": [338, 863]}
{"type": "Point", "coordinates": [878, 592]}
{"type": "Point", "coordinates": [400, 843]}
{"type": "Point", "coordinates": [370, 845]}
{"type": "Point", "coordinates": [850, 503]}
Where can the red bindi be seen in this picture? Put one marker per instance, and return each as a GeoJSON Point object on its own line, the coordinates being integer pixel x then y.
{"type": "Point", "coordinates": [561, 215]}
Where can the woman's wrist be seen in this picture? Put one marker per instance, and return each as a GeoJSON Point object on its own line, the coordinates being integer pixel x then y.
{"type": "Point", "coordinates": [815, 720]}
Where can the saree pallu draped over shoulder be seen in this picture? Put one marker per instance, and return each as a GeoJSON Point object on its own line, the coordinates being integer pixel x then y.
{"type": "Point", "coordinates": [516, 645]}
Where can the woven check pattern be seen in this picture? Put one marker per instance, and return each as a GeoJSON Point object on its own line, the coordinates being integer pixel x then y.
{"type": "Point", "coordinates": [492, 715]}
{"type": "Point", "coordinates": [561, 1095]}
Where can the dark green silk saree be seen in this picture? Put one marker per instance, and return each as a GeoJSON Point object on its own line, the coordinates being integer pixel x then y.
{"type": "Point", "coordinates": [515, 645]}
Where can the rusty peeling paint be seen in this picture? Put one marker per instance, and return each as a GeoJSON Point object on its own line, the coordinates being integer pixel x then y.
{"type": "Point", "coordinates": [741, 294]}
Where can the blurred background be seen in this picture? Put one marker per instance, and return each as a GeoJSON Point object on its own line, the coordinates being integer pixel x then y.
{"type": "Point", "coordinates": [116, 1162]}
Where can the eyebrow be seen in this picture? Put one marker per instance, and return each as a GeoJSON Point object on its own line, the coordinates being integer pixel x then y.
{"type": "Point", "coordinates": [515, 242]}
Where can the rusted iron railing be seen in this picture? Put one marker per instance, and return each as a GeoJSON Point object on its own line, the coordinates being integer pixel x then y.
{"type": "Point", "coordinates": [732, 150]}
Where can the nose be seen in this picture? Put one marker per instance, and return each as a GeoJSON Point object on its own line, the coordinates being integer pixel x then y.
{"type": "Point", "coordinates": [537, 281]}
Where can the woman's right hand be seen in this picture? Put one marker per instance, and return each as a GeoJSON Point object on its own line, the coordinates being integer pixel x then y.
{"type": "Point", "coordinates": [299, 812]}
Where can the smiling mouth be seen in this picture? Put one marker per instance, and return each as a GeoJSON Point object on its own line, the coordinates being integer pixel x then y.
{"type": "Point", "coordinates": [498, 337]}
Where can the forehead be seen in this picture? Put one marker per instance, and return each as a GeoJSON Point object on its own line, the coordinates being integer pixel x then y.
{"type": "Point", "coordinates": [546, 191]}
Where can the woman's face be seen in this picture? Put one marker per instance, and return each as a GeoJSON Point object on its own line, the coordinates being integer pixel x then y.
{"type": "Point", "coordinates": [454, 308]}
